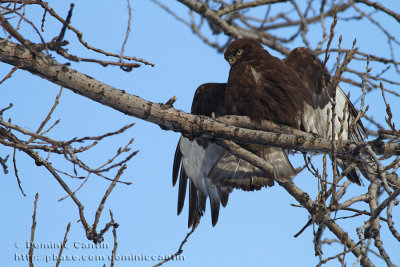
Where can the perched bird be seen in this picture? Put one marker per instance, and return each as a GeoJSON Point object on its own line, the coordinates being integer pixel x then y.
{"type": "Point", "coordinates": [294, 92]}
{"type": "Point", "coordinates": [194, 159]}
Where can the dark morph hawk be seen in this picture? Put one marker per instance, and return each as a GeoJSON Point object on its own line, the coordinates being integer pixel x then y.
{"type": "Point", "coordinates": [196, 158]}
{"type": "Point", "coordinates": [294, 92]}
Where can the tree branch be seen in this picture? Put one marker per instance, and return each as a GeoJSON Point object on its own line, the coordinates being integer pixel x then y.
{"type": "Point", "coordinates": [166, 116]}
{"type": "Point", "coordinates": [231, 30]}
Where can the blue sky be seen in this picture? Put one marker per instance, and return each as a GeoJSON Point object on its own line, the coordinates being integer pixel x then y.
{"type": "Point", "coordinates": [255, 229]}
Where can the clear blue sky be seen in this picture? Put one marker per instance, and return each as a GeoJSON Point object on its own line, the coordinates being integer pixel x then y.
{"type": "Point", "coordinates": [255, 229]}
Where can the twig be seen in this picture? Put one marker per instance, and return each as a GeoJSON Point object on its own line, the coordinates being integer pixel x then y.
{"type": "Point", "coordinates": [14, 32]}
{"type": "Point", "coordinates": [106, 194]}
{"type": "Point", "coordinates": [16, 172]}
{"type": "Point", "coordinates": [56, 102]}
{"type": "Point", "coordinates": [377, 5]}
{"type": "Point", "coordinates": [7, 26]}
{"type": "Point", "coordinates": [239, 6]}
{"type": "Point", "coordinates": [49, 167]}
{"type": "Point", "coordinates": [172, 13]}
{"type": "Point", "coordinates": [5, 109]}
{"type": "Point", "coordinates": [76, 190]}
{"type": "Point", "coordinates": [233, 31]}
{"type": "Point", "coordinates": [388, 110]}
{"type": "Point", "coordinates": [303, 25]}
{"type": "Point", "coordinates": [179, 252]}
{"type": "Point", "coordinates": [4, 164]}
{"type": "Point", "coordinates": [63, 245]}
{"type": "Point", "coordinates": [33, 231]}
{"type": "Point", "coordinates": [331, 34]}
{"type": "Point", "coordinates": [338, 255]}
{"type": "Point", "coordinates": [85, 44]}
{"type": "Point", "coordinates": [324, 34]}
{"type": "Point", "coordinates": [304, 228]}
{"type": "Point", "coordinates": [128, 30]}
{"type": "Point", "coordinates": [60, 38]}
{"type": "Point", "coordinates": [123, 129]}
{"type": "Point", "coordinates": [346, 204]}
{"type": "Point", "coordinates": [384, 204]}
{"type": "Point", "coordinates": [394, 232]}
{"type": "Point", "coordinates": [114, 251]}
{"type": "Point", "coordinates": [14, 69]}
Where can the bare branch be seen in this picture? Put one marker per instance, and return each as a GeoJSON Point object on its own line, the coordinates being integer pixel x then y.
{"type": "Point", "coordinates": [63, 245]}
{"type": "Point", "coordinates": [79, 35]}
{"type": "Point", "coordinates": [180, 249]}
{"type": "Point", "coordinates": [106, 194]}
{"type": "Point", "coordinates": [239, 6]}
{"type": "Point", "coordinates": [33, 228]}
{"type": "Point", "coordinates": [166, 116]}
{"type": "Point", "coordinates": [16, 172]}
{"type": "Point", "coordinates": [114, 251]}
{"type": "Point", "coordinates": [377, 5]}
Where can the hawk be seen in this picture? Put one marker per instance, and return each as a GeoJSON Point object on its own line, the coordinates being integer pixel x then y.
{"type": "Point", "coordinates": [294, 92]}
{"type": "Point", "coordinates": [196, 160]}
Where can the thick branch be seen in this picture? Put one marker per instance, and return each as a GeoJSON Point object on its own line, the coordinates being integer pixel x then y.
{"type": "Point", "coordinates": [166, 116]}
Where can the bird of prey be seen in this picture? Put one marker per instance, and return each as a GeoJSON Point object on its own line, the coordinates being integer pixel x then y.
{"type": "Point", "coordinates": [294, 92]}
{"type": "Point", "coordinates": [194, 159]}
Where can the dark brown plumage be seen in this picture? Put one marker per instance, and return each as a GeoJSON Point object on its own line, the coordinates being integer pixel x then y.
{"type": "Point", "coordinates": [211, 171]}
{"type": "Point", "coordinates": [209, 98]}
{"type": "Point", "coordinates": [262, 86]}
{"type": "Point", "coordinates": [315, 76]}
{"type": "Point", "coordinates": [295, 92]}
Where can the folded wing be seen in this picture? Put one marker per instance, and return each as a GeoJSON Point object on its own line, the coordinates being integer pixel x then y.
{"type": "Point", "coordinates": [195, 158]}
{"type": "Point", "coordinates": [315, 115]}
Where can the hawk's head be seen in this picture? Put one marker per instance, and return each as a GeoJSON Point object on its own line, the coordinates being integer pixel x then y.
{"type": "Point", "coordinates": [241, 50]}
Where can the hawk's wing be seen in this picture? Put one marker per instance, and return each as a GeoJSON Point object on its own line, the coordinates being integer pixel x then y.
{"type": "Point", "coordinates": [194, 159]}
{"type": "Point", "coordinates": [314, 118]}
{"type": "Point", "coordinates": [196, 162]}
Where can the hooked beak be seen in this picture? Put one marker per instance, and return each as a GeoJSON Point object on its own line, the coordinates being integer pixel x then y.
{"type": "Point", "coordinates": [231, 60]}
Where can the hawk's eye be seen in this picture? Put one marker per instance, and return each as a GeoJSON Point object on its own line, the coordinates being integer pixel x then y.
{"type": "Point", "coordinates": [239, 52]}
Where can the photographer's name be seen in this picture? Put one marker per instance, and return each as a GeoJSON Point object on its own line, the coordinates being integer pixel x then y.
{"type": "Point", "coordinates": [58, 245]}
